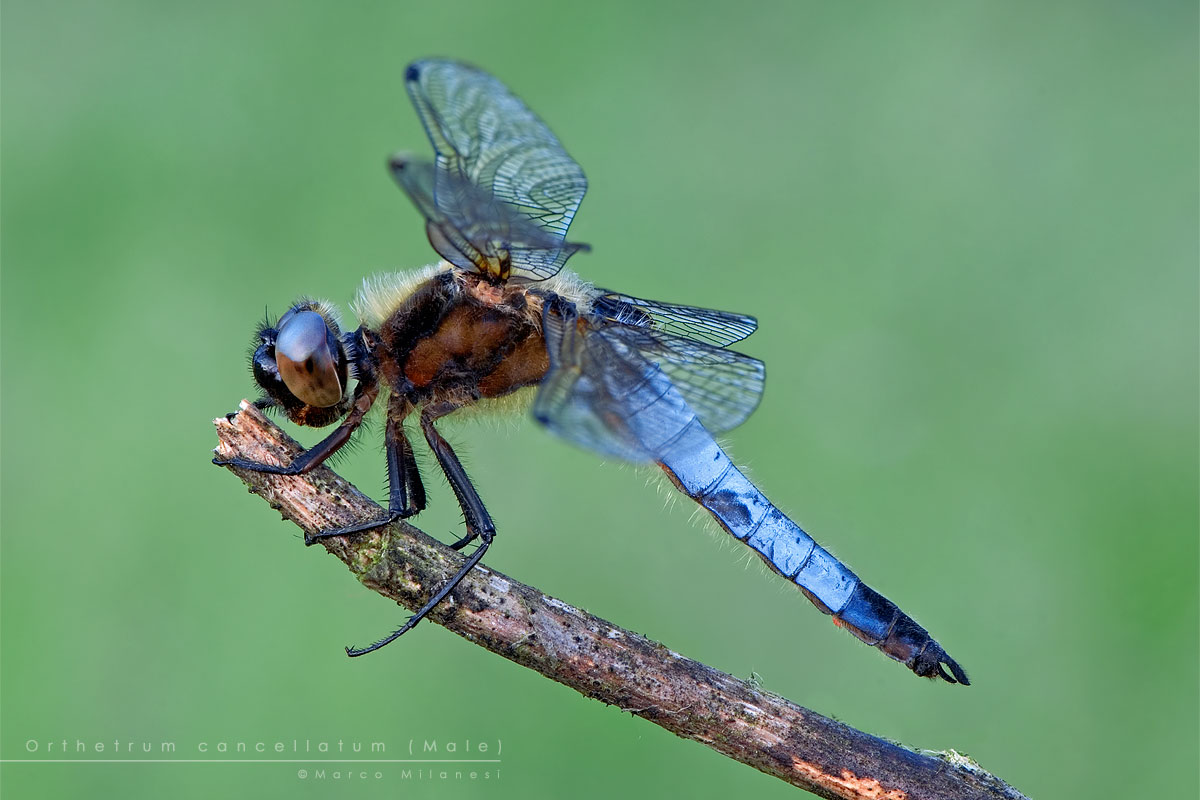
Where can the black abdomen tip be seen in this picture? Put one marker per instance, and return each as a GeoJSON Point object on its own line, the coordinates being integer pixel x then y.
{"type": "Point", "coordinates": [932, 663]}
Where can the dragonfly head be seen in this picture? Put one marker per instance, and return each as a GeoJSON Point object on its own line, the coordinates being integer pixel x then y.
{"type": "Point", "coordinates": [302, 365]}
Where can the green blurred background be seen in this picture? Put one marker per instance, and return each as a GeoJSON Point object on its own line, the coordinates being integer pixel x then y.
{"type": "Point", "coordinates": [969, 233]}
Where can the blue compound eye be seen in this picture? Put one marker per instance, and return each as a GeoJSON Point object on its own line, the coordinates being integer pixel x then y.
{"type": "Point", "coordinates": [305, 362]}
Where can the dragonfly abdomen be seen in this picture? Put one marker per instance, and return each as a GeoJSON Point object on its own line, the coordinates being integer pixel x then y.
{"type": "Point", "coordinates": [702, 470]}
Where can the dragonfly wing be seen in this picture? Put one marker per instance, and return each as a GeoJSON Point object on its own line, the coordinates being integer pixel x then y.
{"type": "Point", "coordinates": [577, 401]}
{"type": "Point", "coordinates": [720, 328]}
{"type": "Point", "coordinates": [629, 391]}
{"type": "Point", "coordinates": [723, 387]}
{"type": "Point", "coordinates": [500, 176]}
{"type": "Point", "coordinates": [416, 177]}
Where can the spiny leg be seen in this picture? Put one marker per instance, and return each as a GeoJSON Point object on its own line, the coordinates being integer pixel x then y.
{"type": "Point", "coordinates": [475, 516]}
{"type": "Point", "coordinates": [313, 457]}
{"type": "Point", "coordinates": [464, 541]}
{"type": "Point", "coordinates": [412, 476]}
{"type": "Point", "coordinates": [478, 521]}
{"type": "Point", "coordinates": [402, 463]}
{"type": "Point", "coordinates": [406, 493]}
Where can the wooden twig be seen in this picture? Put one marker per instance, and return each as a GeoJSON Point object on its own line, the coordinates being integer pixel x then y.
{"type": "Point", "coordinates": [593, 656]}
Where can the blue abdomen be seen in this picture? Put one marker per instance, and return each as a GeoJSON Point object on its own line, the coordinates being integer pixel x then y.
{"type": "Point", "coordinates": [702, 470]}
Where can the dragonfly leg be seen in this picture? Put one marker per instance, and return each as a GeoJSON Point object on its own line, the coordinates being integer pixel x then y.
{"type": "Point", "coordinates": [478, 521]}
{"type": "Point", "coordinates": [406, 492]}
{"type": "Point", "coordinates": [313, 457]}
{"type": "Point", "coordinates": [476, 517]}
{"type": "Point", "coordinates": [464, 541]}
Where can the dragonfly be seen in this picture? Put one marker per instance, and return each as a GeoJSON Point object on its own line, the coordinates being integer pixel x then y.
{"type": "Point", "coordinates": [499, 322]}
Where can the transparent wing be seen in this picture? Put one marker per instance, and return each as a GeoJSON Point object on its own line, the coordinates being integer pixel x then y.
{"type": "Point", "coordinates": [578, 403]}
{"type": "Point", "coordinates": [416, 178]}
{"type": "Point", "coordinates": [627, 390]}
{"type": "Point", "coordinates": [720, 328]}
{"type": "Point", "coordinates": [500, 177]}
{"type": "Point", "coordinates": [478, 230]}
{"type": "Point", "coordinates": [721, 386]}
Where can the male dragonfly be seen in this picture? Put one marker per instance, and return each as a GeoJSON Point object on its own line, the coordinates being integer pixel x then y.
{"type": "Point", "coordinates": [634, 379]}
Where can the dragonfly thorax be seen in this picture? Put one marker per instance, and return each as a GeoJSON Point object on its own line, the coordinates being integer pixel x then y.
{"type": "Point", "coordinates": [459, 337]}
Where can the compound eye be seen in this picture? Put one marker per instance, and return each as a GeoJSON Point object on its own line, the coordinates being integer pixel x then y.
{"type": "Point", "coordinates": [305, 362]}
